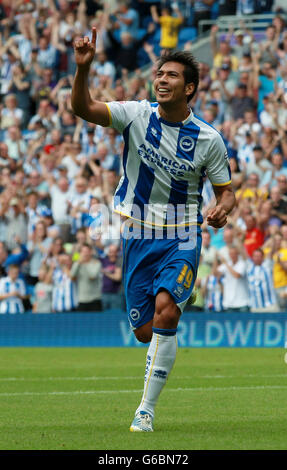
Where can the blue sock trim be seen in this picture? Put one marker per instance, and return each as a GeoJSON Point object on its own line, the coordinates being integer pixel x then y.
{"type": "Point", "coordinates": [164, 332]}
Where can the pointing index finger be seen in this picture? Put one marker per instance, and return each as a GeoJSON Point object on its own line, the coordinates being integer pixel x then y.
{"type": "Point", "coordinates": [94, 36]}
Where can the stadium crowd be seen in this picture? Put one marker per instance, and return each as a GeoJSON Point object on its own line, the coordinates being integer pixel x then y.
{"type": "Point", "coordinates": [57, 171]}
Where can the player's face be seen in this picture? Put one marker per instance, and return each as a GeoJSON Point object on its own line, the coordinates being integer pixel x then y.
{"type": "Point", "coordinates": [169, 84]}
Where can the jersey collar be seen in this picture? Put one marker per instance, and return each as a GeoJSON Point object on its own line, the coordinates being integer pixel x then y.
{"type": "Point", "coordinates": [175, 124]}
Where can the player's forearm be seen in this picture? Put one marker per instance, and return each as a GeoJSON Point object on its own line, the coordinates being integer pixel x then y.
{"type": "Point", "coordinates": [81, 99]}
{"type": "Point", "coordinates": [226, 200]}
{"type": "Point", "coordinates": [83, 105]}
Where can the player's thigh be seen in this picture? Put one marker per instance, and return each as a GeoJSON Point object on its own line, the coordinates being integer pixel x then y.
{"type": "Point", "coordinates": [167, 313]}
{"type": "Point", "coordinates": [177, 278]}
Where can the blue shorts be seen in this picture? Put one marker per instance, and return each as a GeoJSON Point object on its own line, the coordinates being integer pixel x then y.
{"type": "Point", "coordinates": [151, 265]}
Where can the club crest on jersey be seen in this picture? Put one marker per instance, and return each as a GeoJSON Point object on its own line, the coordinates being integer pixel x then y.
{"type": "Point", "coordinates": [186, 143]}
{"type": "Point", "coordinates": [154, 131]}
{"type": "Point", "coordinates": [134, 314]}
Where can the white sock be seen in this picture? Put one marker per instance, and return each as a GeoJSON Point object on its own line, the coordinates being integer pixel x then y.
{"type": "Point", "coordinates": [159, 362]}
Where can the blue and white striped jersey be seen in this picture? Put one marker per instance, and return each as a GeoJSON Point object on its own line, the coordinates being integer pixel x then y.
{"type": "Point", "coordinates": [260, 284]}
{"type": "Point", "coordinates": [214, 294]}
{"type": "Point", "coordinates": [33, 218]}
{"type": "Point", "coordinates": [84, 202]}
{"type": "Point", "coordinates": [64, 296]}
{"type": "Point", "coordinates": [165, 163]}
{"type": "Point", "coordinates": [12, 304]}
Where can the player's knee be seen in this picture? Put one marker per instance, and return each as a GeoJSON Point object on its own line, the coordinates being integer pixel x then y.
{"type": "Point", "coordinates": [143, 337]}
{"type": "Point", "coordinates": [144, 333]}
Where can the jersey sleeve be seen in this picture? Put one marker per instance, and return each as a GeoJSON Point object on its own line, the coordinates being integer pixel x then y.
{"type": "Point", "coordinates": [121, 113]}
{"type": "Point", "coordinates": [218, 169]}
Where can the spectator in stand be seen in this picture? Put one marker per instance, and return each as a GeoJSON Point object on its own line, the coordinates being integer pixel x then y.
{"type": "Point", "coordinates": [222, 52]}
{"type": "Point", "coordinates": [12, 292]}
{"type": "Point", "coordinates": [254, 235]}
{"type": "Point", "coordinates": [225, 85]}
{"type": "Point", "coordinates": [86, 272]}
{"type": "Point", "coordinates": [47, 53]}
{"type": "Point", "coordinates": [267, 47]}
{"type": "Point", "coordinates": [237, 175]}
{"type": "Point", "coordinates": [279, 206]}
{"type": "Point", "coordinates": [37, 183]}
{"type": "Point", "coordinates": [230, 237]}
{"type": "Point", "coordinates": [282, 184]}
{"type": "Point", "coordinates": [46, 215]}
{"type": "Point", "coordinates": [55, 250]}
{"type": "Point", "coordinates": [124, 51]}
{"type": "Point", "coordinates": [15, 143]}
{"type": "Point", "coordinates": [258, 163]}
{"type": "Point", "coordinates": [38, 248]}
{"type": "Point", "coordinates": [43, 291]}
{"type": "Point", "coordinates": [112, 276]}
{"type": "Point", "coordinates": [279, 256]}
{"type": "Point", "coordinates": [169, 25]}
{"type": "Point", "coordinates": [264, 80]}
{"type": "Point", "coordinates": [80, 239]}
{"type": "Point", "coordinates": [11, 114]}
{"type": "Point", "coordinates": [125, 19]}
{"type": "Point", "coordinates": [15, 220]}
{"type": "Point", "coordinates": [241, 102]}
{"type": "Point", "coordinates": [244, 7]}
{"type": "Point", "coordinates": [278, 169]}
{"type": "Point", "coordinates": [201, 11]}
{"type": "Point", "coordinates": [44, 87]}
{"type": "Point", "coordinates": [212, 290]}
{"type": "Point", "coordinates": [250, 190]}
{"type": "Point", "coordinates": [16, 257]}
{"type": "Point", "coordinates": [103, 68]}
{"type": "Point", "coordinates": [79, 204]}
{"type": "Point", "coordinates": [32, 211]}
{"type": "Point", "coordinates": [45, 114]}
{"type": "Point", "coordinates": [24, 39]}
{"type": "Point", "coordinates": [268, 115]}
{"type": "Point", "coordinates": [208, 251]}
{"type": "Point", "coordinates": [64, 297]}
{"type": "Point", "coordinates": [235, 288]}
{"type": "Point", "coordinates": [249, 123]}
{"type": "Point", "coordinates": [3, 257]}
{"type": "Point", "coordinates": [260, 283]}
{"type": "Point", "coordinates": [5, 160]}
{"type": "Point", "coordinates": [245, 148]}
{"type": "Point", "coordinates": [8, 60]}
{"type": "Point", "coordinates": [60, 194]}
{"type": "Point", "coordinates": [242, 50]}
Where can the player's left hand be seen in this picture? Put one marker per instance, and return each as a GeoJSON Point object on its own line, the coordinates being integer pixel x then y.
{"type": "Point", "coordinates": [217, 217]}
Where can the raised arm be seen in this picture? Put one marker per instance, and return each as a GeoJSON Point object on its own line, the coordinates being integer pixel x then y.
{"type": "Point", "coordinates": [82, 103]}
{"type": "Point", "coordinates": [154, 14]}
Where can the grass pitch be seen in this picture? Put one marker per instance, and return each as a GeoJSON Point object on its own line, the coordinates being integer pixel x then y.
{"type": "Point", "coordinates": [85, 398]}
